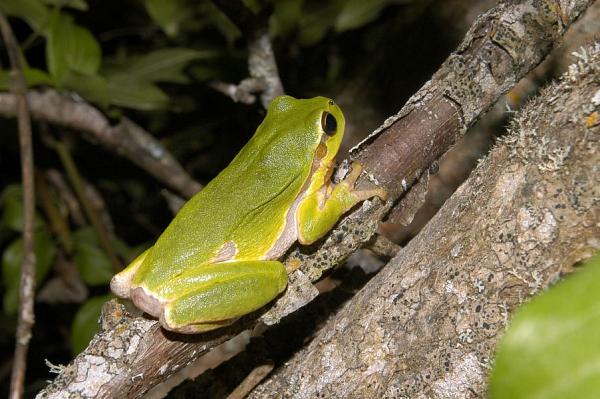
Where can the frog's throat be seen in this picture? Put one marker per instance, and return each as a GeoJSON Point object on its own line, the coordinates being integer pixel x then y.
{"type": "Point", "coordinates": [289, 232]}
{"type": "Point", "coordinates": [145, 302]}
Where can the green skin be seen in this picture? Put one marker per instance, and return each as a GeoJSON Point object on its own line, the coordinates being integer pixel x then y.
{"type": "Point", "coordinates": [217, 260]}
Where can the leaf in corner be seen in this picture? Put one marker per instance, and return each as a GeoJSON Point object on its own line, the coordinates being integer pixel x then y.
{"type": "Point", "coordinates": [85, 322]}
{"type": "Point", "coordinates": [551, 348]}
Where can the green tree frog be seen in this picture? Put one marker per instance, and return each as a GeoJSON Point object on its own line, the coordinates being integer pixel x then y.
{"type": "Point", "coordinates": [217, 260]}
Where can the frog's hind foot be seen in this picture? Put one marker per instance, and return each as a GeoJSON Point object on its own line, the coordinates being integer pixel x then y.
{"type": "Point", "coordinates": [145, 302]}
{"type": "Point", "coordinates": [195, 328]}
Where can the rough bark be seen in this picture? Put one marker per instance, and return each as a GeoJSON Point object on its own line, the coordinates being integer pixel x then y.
{"type": "Point", "coordinates": [501, 46]}
{"type": "Point", "coordinates": [133, 354]}
{"type": "Point", "coordinates": [427, 325]}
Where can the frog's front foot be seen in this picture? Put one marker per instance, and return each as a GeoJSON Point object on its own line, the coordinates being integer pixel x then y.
{"type": "Point", "coordinates": [362, 195]}
{"type": "Point", "coordinates": [354, 174]}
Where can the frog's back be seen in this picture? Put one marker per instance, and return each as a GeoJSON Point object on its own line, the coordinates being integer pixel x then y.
{"type": "Point", "coordinates": [235, 212]}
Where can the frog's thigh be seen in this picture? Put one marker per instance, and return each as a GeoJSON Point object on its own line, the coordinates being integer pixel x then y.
{"type": "Point", "coordinates": [224, 292]}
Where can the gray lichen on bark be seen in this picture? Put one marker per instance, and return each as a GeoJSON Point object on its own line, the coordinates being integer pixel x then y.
{"type": "Point", "coordinates": [427, 325]}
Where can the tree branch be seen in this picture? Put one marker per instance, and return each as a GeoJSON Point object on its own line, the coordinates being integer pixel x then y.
{"type": "Point", "coordinates": [427, 325]}
{"type": "Point", "coordinates": [126, 138]}
{"type": "Point", "coordinates": [26, 317]}
{"type": "Point", "coordinates": [441, 111]}
{"type": "Point", "coordinates": [262, 66]}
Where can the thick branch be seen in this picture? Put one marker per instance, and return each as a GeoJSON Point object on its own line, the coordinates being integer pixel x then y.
{"type": "Point", "coordinates": [427, 325]}
{"type": "Point", "coordinates": [26, 317]}
{"type": "Point", "coordinates": [125, 138]}
{"type": "Point", "coordinates": [155, 356]}
{"type": "Point", "coordinates": [501, 46]}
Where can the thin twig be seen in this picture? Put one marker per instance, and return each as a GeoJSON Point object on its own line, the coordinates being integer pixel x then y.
{"type": "Point", "coordinates": [125, 138]}
{"type": "Point", "coordinates": [57, 222]}
{"type": "Point", "coordinates": [262, 65]}
{"type": "Point", "coordinates": [27, 286]}
{"type": "Point", "coordinates": [104, 236]}
{"type": "Point", "coordinates": [66, 195]}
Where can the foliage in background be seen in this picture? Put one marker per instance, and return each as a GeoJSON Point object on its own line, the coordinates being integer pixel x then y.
{"type": "Point", "coordinates": [151, 59]}
{"type": "Point", "coordinates": [74, 61]}
{"type": "Point", "coordinates": [11, 203]}
{"type": "Point", "coordinates": [91, 261]}
{"type": "Point", "coordinates": [551, 348]}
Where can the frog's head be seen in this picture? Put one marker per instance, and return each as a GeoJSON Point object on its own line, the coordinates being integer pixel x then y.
{"type": "Point", "coordinates": [331, 123]}
{"type": "Point", "coordinates": [321, 119]}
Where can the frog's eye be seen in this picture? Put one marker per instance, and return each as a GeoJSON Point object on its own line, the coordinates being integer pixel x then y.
{"type": "Point", "coordinates": [328, 123]}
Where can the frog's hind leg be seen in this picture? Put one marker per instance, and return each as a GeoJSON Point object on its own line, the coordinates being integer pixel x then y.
{"type": "Point", "coordinates": [218, 294]}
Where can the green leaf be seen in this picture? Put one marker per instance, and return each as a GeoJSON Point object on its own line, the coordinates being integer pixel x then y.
{"type": "Point", "coordinates": [12, 205]}
{"type": "Point", "coordinates": [136, 95]}
{"type": "Point", "coordinates": [71, 47]}
{"type": "Point", "coordinates": [32, 11]}
{"type": "Point", "coordinates": [80, 5]}
{"type": "Point", "coordinates": [93, 263]}
{"type": "Point", "coordinates": [33, 77]}
{"type": "Point", "coordinates": [55, 59]}
{"type": "Point", "coordinates": [12, 258]}
{"type": "Point", "coordinates": [216, 18]}
{"type": "Point", "coordinates": [92, 87]}
{"type": "Point", "coordinates": [11, 300]}
{"type": "Point", "coordinates": [316, 22]}
{"type": "Point", "coordinates": [164, 65]}
{"type": "Point", "coordinates": [285, 17]}
{"type": "Point", "coordinates": [356, 13]}
{"type": "Point", "coordinates": [551, 348]}
{"type": "Point", "coordinates": [168, 14]}
{"type": "Point", "coordinates": [85, 323]}
{"type": "Point", "coordinates": [124, 93]}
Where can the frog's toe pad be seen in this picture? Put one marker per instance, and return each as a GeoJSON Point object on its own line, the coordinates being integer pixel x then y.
{"type": "Point", "coordinates": [194, 328]}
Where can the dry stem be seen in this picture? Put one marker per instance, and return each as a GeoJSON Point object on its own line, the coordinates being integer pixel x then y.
{"type": "Point", "coordinates": [26, 317]}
